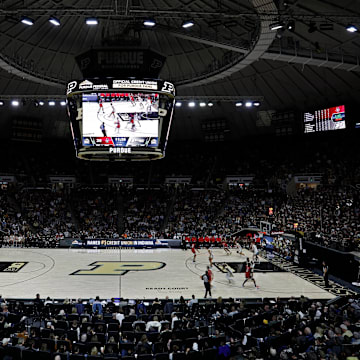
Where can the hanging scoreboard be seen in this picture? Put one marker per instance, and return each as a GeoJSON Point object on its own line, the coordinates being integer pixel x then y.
{"type": "Point", "coordinates": [120, 119]}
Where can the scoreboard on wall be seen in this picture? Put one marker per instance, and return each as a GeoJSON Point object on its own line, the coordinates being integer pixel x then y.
{"type": "Point", "coordinates": [325, 119]}
{"type": "Point", "coordinates": [120, 119]}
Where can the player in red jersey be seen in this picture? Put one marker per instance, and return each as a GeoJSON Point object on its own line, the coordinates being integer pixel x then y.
{"type": "Point", "coordinates": [132, 100]}
{"type": "Point", "coordinates": [249, 272]}
{"type": "Point", "coordinates": [117, 126]}
{"type": "Point", "coordinates": [226, 248]}
{"type": "Point", "coordinates": [210, 275]}
{"type": "Point", "coordinates": [193, 250]}
{"type": "Point", "coordinates": [131, 122]}
{"type": "Point", "coordinates": [101, 106]}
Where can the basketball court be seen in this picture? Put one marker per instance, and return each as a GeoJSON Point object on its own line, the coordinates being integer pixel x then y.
{"type": "Point", "coordinates": [131, 274]}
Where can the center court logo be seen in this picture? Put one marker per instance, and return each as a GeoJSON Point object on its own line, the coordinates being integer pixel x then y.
{"type": "Point", "coordinates": [119, 267]}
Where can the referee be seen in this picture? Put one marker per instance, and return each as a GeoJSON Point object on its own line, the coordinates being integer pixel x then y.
{"type": "Point", "coordinates": [206, 280]}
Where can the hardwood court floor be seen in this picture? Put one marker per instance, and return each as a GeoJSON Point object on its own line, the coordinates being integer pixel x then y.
{"type": "Point", "coordinates": [131, 274]}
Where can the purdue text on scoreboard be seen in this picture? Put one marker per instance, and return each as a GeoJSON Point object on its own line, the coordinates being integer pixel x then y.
{"type": "Point", "coordinates": [119, 150]}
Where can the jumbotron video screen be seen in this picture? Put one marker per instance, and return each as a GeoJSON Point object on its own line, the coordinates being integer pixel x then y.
{"type": "Point", "coordinates": [324, 120]}
{"type": "Point", "coordinates": [126, 119]}
{"type": "Point", "coordinates": [120, 119]}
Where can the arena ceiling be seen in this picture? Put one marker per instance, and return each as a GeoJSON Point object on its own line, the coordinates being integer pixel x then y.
{"type": "Point", "coordinates": [230, 50]}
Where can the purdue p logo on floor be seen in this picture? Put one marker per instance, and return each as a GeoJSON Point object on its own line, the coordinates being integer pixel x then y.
{"type": "Point", "coordinates": [119, 267]}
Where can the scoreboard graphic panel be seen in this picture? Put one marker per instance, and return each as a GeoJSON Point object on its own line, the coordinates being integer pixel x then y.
{"type": "Point", "coordinates": [324, 120]}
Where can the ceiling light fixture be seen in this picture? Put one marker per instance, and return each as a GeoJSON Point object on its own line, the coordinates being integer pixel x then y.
{"type": "Point", "coordinates": [248, 104]}
{"type": "Point", "coordinates": [27, 21]}
{"type": "Point", "coordinates": [188, 24]}
{"type": "Point", "coordinates": [51, 103]}
{"type": "Point", "coordinates": [210, 104]}
{"type": "Point", "coordinates": [91, 21]}
{"type": "Point", "coordinates": [202, 104]}
{"type": "Point", "coordinates": [178, 104]}
{"type": "Point", "coordinates": [351, 28]}
{"type": "Point", "coordinates": [15, 103]}
{"type": "Point", "coordinates": [63, 103]}
{"type": "Point", "coordinates": [276, 26]}
{"type": "Point", "coordinates": [149, 22]}
{"type": "Point", "coordinates": [239, 103]}
{"type": "Point", "coordinates": [191, 104]}
{"type": "Point", "coordinates": [55, 21]}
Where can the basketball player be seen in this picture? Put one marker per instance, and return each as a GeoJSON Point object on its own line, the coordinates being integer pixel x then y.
{"type": "Point", "coordinates": [137, 118]}
{"type": "Point", "coordinates": [226, 248]}
{"type": "Point", "coordinates": [255, 252]}
{"type": "Point", "coordinates": [239, 249]}
{"type": "Point", "coordinates": [131, 123]}
{"type": "Point", "coordinates": [117, 126]}
{"type": "Point", "coordinates": [101, 107]}
{"type": "Point", "coordinates": [140, 101]}
{"type": "Point", "coordinates": [229, 275]}
{"type": "Point", "coordinates": [148, 105]}
{"type": "Point", "coordinates": [132, 100]}
{"type": "Point", "coordinates": [210, 275]}
{"type": "Point", "coordinates": [249, 273]}
{"type": "Point", "coordinates": [112, 110]}
{"type": "Point", "coordinates": [211, 256]}
{"type": "Point", "coordinates": [193, 250]}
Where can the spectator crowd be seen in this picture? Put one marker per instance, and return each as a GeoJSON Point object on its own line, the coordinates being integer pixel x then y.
{"type": "Point", "coordinates": [329, 213]}
{"type": "Point", "coordinates": [294, 328]}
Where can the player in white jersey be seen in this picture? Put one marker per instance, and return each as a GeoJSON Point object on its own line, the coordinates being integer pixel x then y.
{"type": "Point", "coordinates": [255, 252]}
{"type": "Point", "coordinates": [112, 110]}
{"type": "Point", "coordinates": [140, 101]}
{"type": "Point", "coordinates": [239, 249]}
{"type": "Point", "coordinates": [137, 119]}
{"type": "Point", "coordinates": [148, 105]}
{"type": "Point", "coordinates": [229, 274]}
{"type": "Point", "coordinates": [211, 256]}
